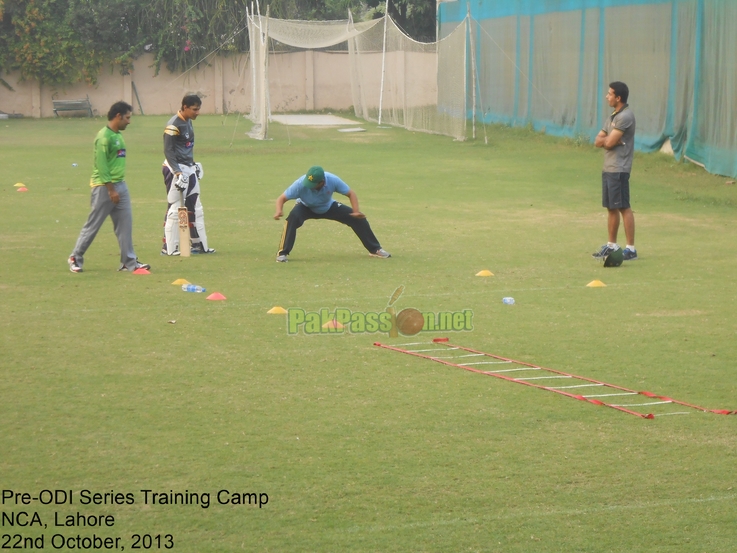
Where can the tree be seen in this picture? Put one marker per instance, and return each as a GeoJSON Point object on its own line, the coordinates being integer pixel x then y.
{"type": "Point", "coordinates": [109, 28]}
{"type": "Point", "coordinates": [415, 17]}
{"type": "Point", "coordinates": [38, 42]}
{"type": "Point", "coordinates": [62, 42]}
{"type": "Point", "coordinates": [313, 10]}
{"type": "Point", "coordinates": [66, 41]}
{"type": "Point", "coordinates": [181, 33]}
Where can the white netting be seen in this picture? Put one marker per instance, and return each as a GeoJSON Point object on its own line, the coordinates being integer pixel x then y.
{"type": "Point", "coordinates": [258, 37]}
{"type": "Point", "coordinates": [394, 80]}
{"type": "Point", "coordinates": [424, 84]}
{"type": "Point", "coordinates": [316, 34]}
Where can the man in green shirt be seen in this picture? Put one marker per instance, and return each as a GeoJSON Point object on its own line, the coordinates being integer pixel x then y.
{"type": "Point", "coordinates": [110, 193]}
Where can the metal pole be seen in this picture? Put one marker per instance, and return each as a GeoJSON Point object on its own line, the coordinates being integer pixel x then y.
{"type": "Point", "coordinates": [472, 43]}
{"type": "Point", "coordinates": [383, 60]}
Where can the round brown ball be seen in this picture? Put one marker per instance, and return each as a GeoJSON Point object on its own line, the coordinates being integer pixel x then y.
{"type": "Point", "coordinates": [410, 321]}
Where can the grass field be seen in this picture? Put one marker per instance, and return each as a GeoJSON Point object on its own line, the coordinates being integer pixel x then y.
{"type": "Point", "coordinates": [359, 448]}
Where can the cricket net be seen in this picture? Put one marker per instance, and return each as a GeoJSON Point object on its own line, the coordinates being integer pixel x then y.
{"type": "Point", "coordinates": [394, 80]}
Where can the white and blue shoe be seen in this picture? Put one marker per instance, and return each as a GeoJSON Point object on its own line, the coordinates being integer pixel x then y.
{"type": "Point", "coordinates": [629, 254]}
{"type": "Point", "coordinates": [382, 253]}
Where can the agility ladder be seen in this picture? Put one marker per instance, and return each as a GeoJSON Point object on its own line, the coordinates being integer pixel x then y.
{"type": "Point", "coordinates": [526, 374]}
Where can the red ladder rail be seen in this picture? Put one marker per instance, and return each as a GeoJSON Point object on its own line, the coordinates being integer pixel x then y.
{"type": "Point", "coordinates": [590, 399]}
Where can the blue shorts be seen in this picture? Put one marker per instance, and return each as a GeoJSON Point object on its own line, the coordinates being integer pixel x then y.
{"type": "Point", "coordinates": [615, 190]}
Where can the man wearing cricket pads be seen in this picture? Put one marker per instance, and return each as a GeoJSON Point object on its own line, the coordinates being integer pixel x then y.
{"type": "Point", "coordinates": [182, 178]}
{"type": "Point", "coordinates": [109, 193]}
{"type": "Point", "coordinates": [313, 193]}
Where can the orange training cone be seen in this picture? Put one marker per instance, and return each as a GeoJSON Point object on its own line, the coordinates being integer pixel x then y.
{"type": "Point", "coordinates": [216, 296]}
{"type": "Point", "coordinates": [141, 271]}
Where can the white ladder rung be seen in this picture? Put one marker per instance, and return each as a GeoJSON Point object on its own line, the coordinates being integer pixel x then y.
{"type": "Point", "coordinates": [423, 350]}
{"type": "Point", "coordinates": [542, 377]}
{"type": "Point", "coordinates": [494, 363]}
{"type": "Point", "coordinates": [676, 413]}
{"type": "Point", "coordinates": [504, 370]}
{"type": "Point", "coordinates": [576, 386]}
{"type": "Point", "coordinates": [641, 404]}
{"type": "Point", "coordinates": [459, 356]}
{"type": "Point", "coordinates": [610, 395]}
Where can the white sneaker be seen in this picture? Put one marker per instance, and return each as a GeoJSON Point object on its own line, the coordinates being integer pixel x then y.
{"type": "Point", "coordinates": [605, 250]}
{"type": "Point", "coordinates": [383, 254]}
{"type": "Point", "coordinates": [139, 265]}
{"type": "Point", "coordinates": [198, 249]}
{"type": "Point", "coordinates": [73, 264]}
{"type": "Point", "coordinates": [281, 259]}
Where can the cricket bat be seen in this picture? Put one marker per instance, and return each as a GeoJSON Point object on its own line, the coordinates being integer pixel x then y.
{"type": "Point", "coordinates": [184, 244]}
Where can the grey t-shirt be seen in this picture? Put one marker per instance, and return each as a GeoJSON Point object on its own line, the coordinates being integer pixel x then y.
{"type": "Point", "coordinates": [619, 159]}
{"type": "Point", "coordinates": [179, 143]}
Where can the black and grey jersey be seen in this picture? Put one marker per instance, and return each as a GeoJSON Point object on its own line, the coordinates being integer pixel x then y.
{"type": "Point", "coordinates": [179, 143]}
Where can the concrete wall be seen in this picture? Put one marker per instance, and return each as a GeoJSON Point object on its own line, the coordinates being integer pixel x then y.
{"type": "Point", "coordinates": [300, 81]}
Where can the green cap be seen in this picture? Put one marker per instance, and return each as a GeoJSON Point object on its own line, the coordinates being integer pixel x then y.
{"type": "Point", "coordinates": [315, 175]}
{"type": "Point", "coordinates": [614, 259]}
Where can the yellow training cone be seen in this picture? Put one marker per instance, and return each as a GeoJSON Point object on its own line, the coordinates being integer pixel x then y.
{"type": "Point", "coordinates": [333, 324]}
{"type": "Point", "coordinates": [180, 281]}
{"type": "Point", "coordinates": [19, 185]}
{"type": "Point", "coordinates": [276, 310]}
{"type": "Point", "coordinates": [485, 272]}
{"type": "Point", "coordinates": [596, 284]}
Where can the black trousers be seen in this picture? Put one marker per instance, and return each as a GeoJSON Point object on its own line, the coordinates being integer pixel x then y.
{"type": "Point", "coordinates": [337, 212]}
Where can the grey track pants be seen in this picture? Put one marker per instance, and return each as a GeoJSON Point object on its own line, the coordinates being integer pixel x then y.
{"type": "Point", "coordinates": [122, 215]}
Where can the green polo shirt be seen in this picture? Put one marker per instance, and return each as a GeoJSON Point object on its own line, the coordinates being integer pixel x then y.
{"type": "Point", "coordinates": [109, 156]}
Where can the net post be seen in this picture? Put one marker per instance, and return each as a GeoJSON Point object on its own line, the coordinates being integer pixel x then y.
{"type": "Point", "coordinates": [383, 60]}
{"type": "Point", "coordinates": [472, 45]}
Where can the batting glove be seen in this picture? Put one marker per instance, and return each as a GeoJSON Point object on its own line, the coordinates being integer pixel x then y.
{"type": "Point", "coordinates": [180, 182]}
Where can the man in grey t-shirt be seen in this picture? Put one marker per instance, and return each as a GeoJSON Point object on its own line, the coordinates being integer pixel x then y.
{"type": "Point", "coordinates": [182, 179]}
{"type": "Point", "coordinates": [617, 137]}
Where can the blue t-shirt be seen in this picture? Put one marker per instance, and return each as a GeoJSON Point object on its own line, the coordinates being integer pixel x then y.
{"type": "Point", "coordinates": [318, 201]}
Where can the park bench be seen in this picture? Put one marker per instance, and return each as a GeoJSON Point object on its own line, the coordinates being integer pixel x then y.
{"type": "Point", "coordinates": [73, 105]}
